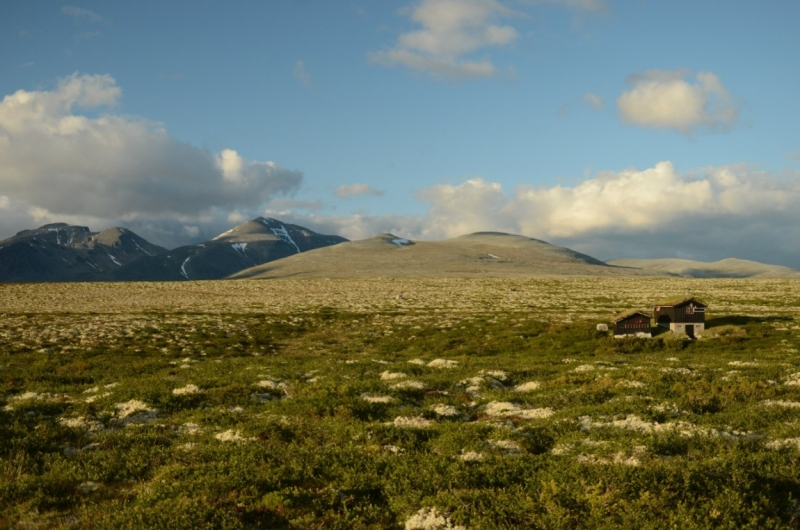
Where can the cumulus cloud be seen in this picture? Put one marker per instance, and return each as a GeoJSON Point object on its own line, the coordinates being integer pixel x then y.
{"type": "Point", "coordinates": [677, 100]}
{"type": "Point", "coordinates": [450, 31]}
{"type": "Point", "coordinates": [79, 12]}
{"type": "Point", "coordinates": [593, 100]}
{"type": "Point", "coordinates": [67, 163]}
{"type": "Point", "coordinates": [708, 214]}
{"type": "Point", "coordinates": [353, 190]}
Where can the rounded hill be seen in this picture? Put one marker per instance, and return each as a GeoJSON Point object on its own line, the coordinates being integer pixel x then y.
{"type": "Point", "coordinates": [482, 254]}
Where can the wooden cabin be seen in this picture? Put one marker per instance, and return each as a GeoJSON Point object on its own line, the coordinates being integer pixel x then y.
{"type": "Point", "coordinates": [632, 323]}
{"type": "Point", "coordinates": [684, 315]}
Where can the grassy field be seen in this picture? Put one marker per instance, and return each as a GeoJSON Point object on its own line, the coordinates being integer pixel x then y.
{"type": "Point", "coordinates": [396, 404]}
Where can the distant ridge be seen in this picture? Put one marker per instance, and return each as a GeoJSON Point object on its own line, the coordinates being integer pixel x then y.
{"type": "Point", "coordinates": [482, 254]}
{"type": "Point", "coordinates": [252, 243]}
{"type": "Point", "coordinates": [62, 252]}
{"type": "Point", "coordinates": [726, 268]}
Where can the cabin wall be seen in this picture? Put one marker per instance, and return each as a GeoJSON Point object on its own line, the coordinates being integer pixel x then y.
{"type": "Point", "coordinates": [631, 327]}
{"type": "Point", "coordinates": [678, 315]}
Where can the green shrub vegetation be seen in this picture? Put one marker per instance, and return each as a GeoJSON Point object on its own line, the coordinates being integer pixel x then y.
{"type": "Point", "coordinates": [324, 418]}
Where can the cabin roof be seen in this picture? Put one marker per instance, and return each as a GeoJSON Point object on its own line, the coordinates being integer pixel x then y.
{"type": "Point", "coordinates": [679, 300]}
{"type": "Point", "coordinates": [628, 314]}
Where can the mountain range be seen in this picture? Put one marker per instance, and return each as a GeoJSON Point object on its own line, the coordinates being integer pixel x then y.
{"type": "Point", "coordinates": [268, 248]}
{"type": "Point", "coordinates": [250, 244]}
{"type": "Point", "coordinates": [60, 252]}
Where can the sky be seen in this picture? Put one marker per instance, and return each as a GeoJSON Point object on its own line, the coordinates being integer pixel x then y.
{"type": "Point", "coordinates": [630, 128]}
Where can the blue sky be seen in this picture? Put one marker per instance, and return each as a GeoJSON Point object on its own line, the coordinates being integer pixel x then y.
{"type": "Point", "coordinates": [631, 128]}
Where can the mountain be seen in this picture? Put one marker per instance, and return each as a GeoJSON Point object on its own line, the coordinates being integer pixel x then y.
{"type": "Point", "coordinates": [481, 254]}
{"type": "Point", "coordinates": [250, 244]}
{"type": "Point", "coordinates": [726, 268]}
{"type": "Point", "coordinates": [62, 252]}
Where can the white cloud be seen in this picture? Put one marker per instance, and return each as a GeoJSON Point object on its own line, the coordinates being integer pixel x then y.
{"type": "Point", "coordinates": [710, 214]}
{"type": "Point", "coordinates": [4, 202]}
{"type": "Point", "coordinates": [301, 74]}
{"type": "Point", "coordinates": [672, 100]}
{"type": "Point", "coordinates": [593, 100]}
{"type": "Point", "coordinates": [79, 12]}
{"type": "Point", "coordinates": [353, 190]}
{"type": "Point", "coordinates": [66, 163]}
{"type": "Point", "coordinates": [450, 31]}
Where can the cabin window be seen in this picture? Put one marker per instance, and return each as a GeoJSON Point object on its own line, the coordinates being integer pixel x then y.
{"type": "Point", "coordinates": [690, 310]}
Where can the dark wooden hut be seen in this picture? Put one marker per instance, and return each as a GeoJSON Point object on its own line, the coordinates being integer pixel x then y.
{"type": "Point", "coordinates": [632, 323]}
{"type": "Point", "coordinates": [683, 314]}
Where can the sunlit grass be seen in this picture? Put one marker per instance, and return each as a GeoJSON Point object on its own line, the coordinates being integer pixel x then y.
{"type": "Point", "coordinates": [518, 417]}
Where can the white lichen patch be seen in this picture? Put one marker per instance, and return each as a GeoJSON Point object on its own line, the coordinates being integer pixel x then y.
{"type": "Point", "coordinates": [635, 423]}
{"type": "Point", "coordinates": [470, 456]}
{"type": "Point", "coordinates": [390, 376]}
{"type": "Point", "coordinates": [417, 422]}
{"type": "Point", "coordinates": [682, 371]}
{"type": "Point", "coordinates": [530, 386]}
{"type": "Point", "coordinates": [188, 389]}
{"type": "Point", "coordinates": [376, 399]}
{"type": "Point", "coordinates": [230, 435]}
{"type": "Point", "coordinates": [584, 368]}
{"type": "Point", "coordinates": [507, 446]}
{"type": "Point", "coordinates": [743, 363]}
{"type": "Point", "coordinates": [395, 450]}
{"type": "Point", "coordinates": [504, 409]}
{"type": "Point", "coordinates": [444, 410]}
{"type": "Point", "coordinates": [272, 385]}
{"type": "Point", "coordinates": [624, 383]}
{"type": "Point", "coordinates": [131, 407]}
{"type": "Point", "coordinates": [92, 399]}
{"type": "Point", "coordinates": [473, 384]}
{"type": "Point", "coordinates": [784, 443]}
{"type": "Point", "coordinates": [88, 487]}
{"type": "Point", "coordinates": [442, 363]}
{"type": "Point", "coordinates": [793, 380]}
{"type": "Point", "coordinates": [500, 375]}
{"type": "Point", "coordinates": [190, 429]}
{"type": "Point", "coordinates": [44, 396]}
{"type": "Point", "coordinates": [135, 411]}
{"type": "Point", "coordinates": [81, 422]}
{"type": "Point", "coordinates": [781, 403]}
{"type": "Point", "coordinates": [562, 449]}
{"type": "Point", "coordinates": [418, 362]}
{"type": "Point", "coordinates": [408, 385]}
{"type": "Point", "coordinates": [430, 519]}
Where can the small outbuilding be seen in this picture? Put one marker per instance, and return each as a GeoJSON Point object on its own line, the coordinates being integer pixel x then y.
{"type": "Point", "coordinates": [635, 323]}
{"type": "Point", "coordinates": [684, 315]}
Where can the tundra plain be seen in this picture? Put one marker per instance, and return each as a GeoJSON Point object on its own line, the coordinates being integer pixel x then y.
{"type": "Point", "coordinates": [396, 403]}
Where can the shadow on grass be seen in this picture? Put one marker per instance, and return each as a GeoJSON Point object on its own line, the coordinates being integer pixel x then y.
{"type": "Point", "coordinates": [742, 320]}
